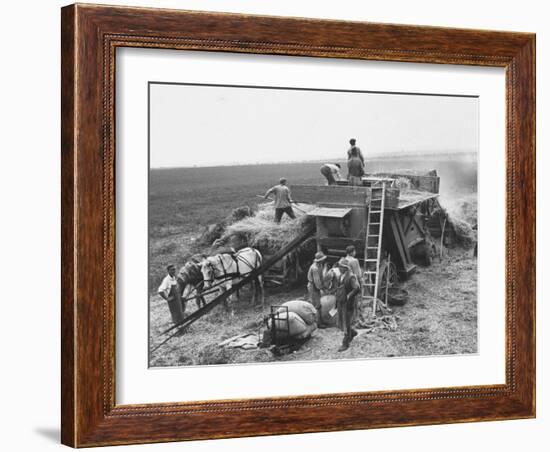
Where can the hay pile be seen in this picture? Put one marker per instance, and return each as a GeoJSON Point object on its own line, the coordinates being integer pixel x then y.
{"type": "Point", "coordinates": [261, 232]}
{"type": "Point", "coordinates": [463, 208]}
{"type": "Point", "coordinates": [214, 232]}
{"type": "Point", "coordinates": [461, 212]}
{"type": "Point", "coordinates": [465, 234]}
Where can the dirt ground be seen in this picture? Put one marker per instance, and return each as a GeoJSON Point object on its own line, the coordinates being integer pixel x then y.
{"type": "Point", "coordinates": [440, 318]}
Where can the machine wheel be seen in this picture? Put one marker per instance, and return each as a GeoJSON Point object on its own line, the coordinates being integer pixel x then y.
{"type": "Point", "coordinates": [388, 274]}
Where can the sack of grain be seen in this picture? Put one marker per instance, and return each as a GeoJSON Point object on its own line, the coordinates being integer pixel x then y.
{"type": "Point", "coordinates": [328, 303]}
{"type": "Point", "coordinates": [297, 327]}
{"type": "Point", "coordinates": [304, 309]}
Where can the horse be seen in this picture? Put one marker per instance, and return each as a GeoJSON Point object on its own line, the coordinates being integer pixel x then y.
{"type": "Point", "coordinates": [229, 268]}
{"type": "Point", "coordinates": [190, 280]}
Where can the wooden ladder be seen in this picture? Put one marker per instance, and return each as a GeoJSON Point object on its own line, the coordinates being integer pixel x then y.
{"type": "Point", "coordinates": [373, 245]}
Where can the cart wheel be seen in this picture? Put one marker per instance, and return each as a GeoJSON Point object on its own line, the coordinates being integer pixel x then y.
{"type": "Point", "coordinates": [388, 274]}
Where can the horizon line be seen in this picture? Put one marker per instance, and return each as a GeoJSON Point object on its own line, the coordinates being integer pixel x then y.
{"type": "Point", "coordinates": [335, 159]}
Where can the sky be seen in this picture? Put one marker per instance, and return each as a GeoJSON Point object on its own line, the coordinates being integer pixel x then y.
{"type": "Point", "coordinates": [214, 125]}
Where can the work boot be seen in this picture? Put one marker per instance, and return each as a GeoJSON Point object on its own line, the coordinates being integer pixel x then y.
{"type": "Point", "coordinates": [344, 346]}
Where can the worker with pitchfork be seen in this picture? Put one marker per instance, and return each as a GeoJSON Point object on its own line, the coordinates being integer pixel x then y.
{"type": "Point", "coordinates": [283, 200]}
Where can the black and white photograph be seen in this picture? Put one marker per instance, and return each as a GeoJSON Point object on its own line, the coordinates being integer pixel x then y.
{"type": "Point", "coordinates": [275, 225]}
{"type": "Point", "coordinates": [294, 224]}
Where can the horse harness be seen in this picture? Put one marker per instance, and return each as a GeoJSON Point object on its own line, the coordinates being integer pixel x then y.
{"type": "Point", "coordinates": [226, 275]}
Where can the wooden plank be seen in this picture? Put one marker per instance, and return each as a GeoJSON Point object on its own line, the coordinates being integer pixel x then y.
{"type": "Point", "coordinates": [340, 195]}
{"type": "Point", "coordinates": [68, 158]}
{"type": "Point", "coordinates": [329, 212]}
{"type": "Point", "coordinates": [392, 198]}
{"type": "Point", "coordinates": [399, 239]}
{"type": "Point", "coordinates": [424, 183]}
{"type": "Point", "coordinates": [330, 194]}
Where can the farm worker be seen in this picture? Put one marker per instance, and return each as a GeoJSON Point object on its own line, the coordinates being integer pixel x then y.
{"type": "Point", "coordinates": [331, 171]}
{"type": "Point", "coordinates": [354, 262]}
{"type": "Point", "coordinates": [355, 151]}
{"type": "Point", "coordinates": [331, 279]}
{"type": "Point", "coordinates": [346, 302]}
{"type": "Point", "coordinates": [169, 290]}
{"type": "Point", "coordinates": [316, 280]}
{"type": "Point", "coordinates": [356, 169]}
{"type": "Point", "coordinates": [283, 200]}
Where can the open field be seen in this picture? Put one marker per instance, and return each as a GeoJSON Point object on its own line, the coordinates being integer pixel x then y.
{"type": "Point", "coordinates": [440, 318]}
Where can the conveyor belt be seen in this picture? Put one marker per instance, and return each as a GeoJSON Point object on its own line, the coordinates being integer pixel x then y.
{"type": "Point", "coordinates": [306, 233]}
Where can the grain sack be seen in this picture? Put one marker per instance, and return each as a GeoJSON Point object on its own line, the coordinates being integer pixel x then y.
{"type": "Point", "coordinates": [297, 327]}
{"type": "Point", "coordinates": [328, 302]}
{"type": "Point", "coordinates": [304, 309]}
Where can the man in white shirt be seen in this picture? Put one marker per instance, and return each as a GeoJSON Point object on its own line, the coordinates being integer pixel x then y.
{"type": "Point", "coordinates": [331, 171]}
{"type": "Point", "coordinates": [169, 290]}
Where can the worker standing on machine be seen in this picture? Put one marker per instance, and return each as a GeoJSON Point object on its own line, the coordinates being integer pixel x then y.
{"type": "Point", "coordinates": [331, 171]}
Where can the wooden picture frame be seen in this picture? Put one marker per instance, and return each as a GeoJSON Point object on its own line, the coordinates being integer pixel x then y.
{"type": "Point", "coordinates": [90, 36]}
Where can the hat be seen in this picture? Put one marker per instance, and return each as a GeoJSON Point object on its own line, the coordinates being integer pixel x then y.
{"type": "Point", "coordinates": [282, 180]}
{"type": "Point", "coordinates": [344, 263]}
{"type": "Point", "coordinates": [319, 256]}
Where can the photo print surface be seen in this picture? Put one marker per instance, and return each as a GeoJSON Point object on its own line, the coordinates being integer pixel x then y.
{"type": "Point", "coordinates": [294, 224]}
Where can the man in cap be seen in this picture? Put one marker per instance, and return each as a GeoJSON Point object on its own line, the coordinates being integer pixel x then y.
{"type": "Point", "coordinates": [331, 171]}
{"type": "Point", "coordinates": [354, 262]}
{"type": "Point", "coordinates": [316, 280]}
{"type": "Point", "coordinates": [169, 290]}
{"type": "Point", "coordinates": [283, 200]}
{"type": "Point", "coordinates": [346, 302]}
